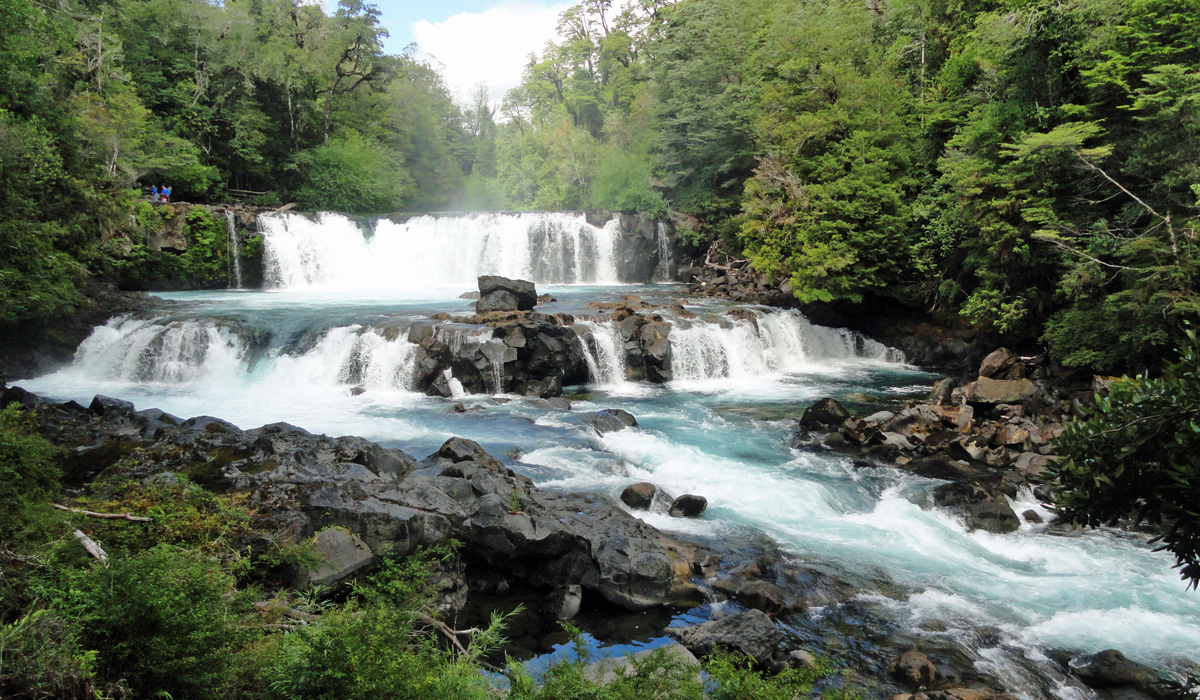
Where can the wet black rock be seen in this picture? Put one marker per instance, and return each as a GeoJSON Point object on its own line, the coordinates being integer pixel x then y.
{"type": "Point", "coordinates": [503, 294]}
{"type": "Point", "coordinates": [611, 420]}
{"type": "Point", "coordinates": [752, 633]}
{"type": "Point", "coordinates": [639, 496]}
{"type": "Point", "coordinates": [688, 506]}
{"type": "Point", "coordinates": [981, 507]}
{"type": "Point", "coordinates": [1112, 669]}
{"type": "Point", "coordinates": [825, 414]}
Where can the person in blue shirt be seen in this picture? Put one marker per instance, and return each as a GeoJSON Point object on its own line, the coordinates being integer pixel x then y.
{"type": "Point", "coordinates": [166, 194]}
{"type": "Point", "coordinates": [153, 193]}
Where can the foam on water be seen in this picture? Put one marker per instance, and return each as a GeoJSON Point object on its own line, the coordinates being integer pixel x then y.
{"type": "Point", "coordinates": [1039, 587]}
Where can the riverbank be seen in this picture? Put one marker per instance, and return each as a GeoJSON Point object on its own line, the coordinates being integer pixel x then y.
{"type": "Point", "coordinates": [583, 556]}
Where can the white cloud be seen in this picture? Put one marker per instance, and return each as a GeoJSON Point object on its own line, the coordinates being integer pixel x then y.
{"type": "Point", "coordinates": [491, 47]}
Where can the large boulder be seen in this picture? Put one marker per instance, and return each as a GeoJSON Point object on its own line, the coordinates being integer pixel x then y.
{"type": "Point", "coordinates": [998, 391]}
{"type": "Point", "coordinates": [997, 363]}
{"type": "Point", "coordinates": [1112, 669]}
{"type": "Point", "coordinates": [752, 633]}
{"type": "Point", "coordinates": [503, 294]}
{"type": "Point", "coordinates": [913, 670]}
{"type": "Point", "coordinates": [825, 414]}
{"type": "Point", "coordinates": [981, 507]}
{"type": "Point", "coordinates": [639, 496]}
{"type": "Point", "coordinates": [688, 506]}
{"type": "Point", "coordinates": [342, 553]}
{"type": "Point", "coordinates": [610, 420]}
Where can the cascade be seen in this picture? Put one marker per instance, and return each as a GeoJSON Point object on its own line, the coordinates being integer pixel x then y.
{"type": "Point", "coordinates": [603, 350]}
{"type": "Point", "coordinates": [235, 261]}
{"type": "Point", "coordinates": [332, 252]}
{"type": "Point", "coordinates": [140, 351]}
{"type": "Point", "coordinates": [767, 342]}
{"type": "Point", "coordinates": [663, 272]}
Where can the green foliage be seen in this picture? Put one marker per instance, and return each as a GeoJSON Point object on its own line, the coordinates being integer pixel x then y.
{"type": "Point", "coordinates": [734, 678]}
{"type": "Point", "coordinates": [350, 174]}
{"type": "Point", "coordinates": [162, 620]}
{"type": "Point", "coordinates": [29, 476]}
{"type": "Point", "coordinates": [40, 657]}
{"type": "Point", "coordinates": [1137, 456]}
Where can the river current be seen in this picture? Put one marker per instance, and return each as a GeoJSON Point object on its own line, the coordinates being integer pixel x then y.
{"type": "Point", "coordinates": [314, 351]}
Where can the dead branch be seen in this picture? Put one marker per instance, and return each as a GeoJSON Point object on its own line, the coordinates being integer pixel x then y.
{"type": "Point", "coordinates": [105, 516]}
{"type": "Point", "coordinates": [286, 610]}
{"type": "Point", "coordinates": [92, 547]}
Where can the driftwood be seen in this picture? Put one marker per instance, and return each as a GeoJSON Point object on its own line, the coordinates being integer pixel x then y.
{"type": "Point", "coordinates": [105, 516]}
{"type": "Point", "coordinates": [286, 610]}
{"type": "Point", "coordinates": [92, 547]}
{"type": "Point", "coordinates": [729, 264]}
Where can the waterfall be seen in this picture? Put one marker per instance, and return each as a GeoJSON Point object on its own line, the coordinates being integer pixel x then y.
{"type": "Point", "coordinates": [332, 252]}
{"type": "Point", "coordinates": [142, 351]}
{"type": "Point", "coordinates": [235, 261]}
{"type": "Point", "coordinates": [665, 271]}
{"type": "Point", "coordinates": [603, 350]}
{"type": "Point", "coordinates": [765, 342]}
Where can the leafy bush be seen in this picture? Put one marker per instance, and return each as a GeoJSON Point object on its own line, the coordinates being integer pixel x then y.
{"type": "Point", "coordinates": [162, 620]}
{"type": "Point", "coordinates": [1137, 455]}
{"type": "Point", "coordinates": [40, 658]}
{"type": "Point", "coordinates": [28, 475]}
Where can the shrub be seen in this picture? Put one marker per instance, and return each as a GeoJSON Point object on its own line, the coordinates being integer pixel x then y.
{"type": "Point", "coordinates": [28, 475]}
{"type": "Point", "coordinates": [162, 620]}
{"type": "Point", "coordinates": [1137, 455]}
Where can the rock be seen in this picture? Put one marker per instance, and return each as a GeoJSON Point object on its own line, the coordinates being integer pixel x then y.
{"type": "Point", "coordinates": [503, 294]}
{"type": "Point", "coordinates": [998, 391]}
{"type": "Point", "coordinates": [982, 507]}
{"type": "Point", "coordinates": [802, 659]}
{"type": "Point", "coordinates": [610, 420]}
{"type": "Point", "coordinates": [1032, 464]}
{"type": "Point", "coordinates": [563, 602]}
{"type": "Point", "coordinates": [102, 404]}
{"type": "Point", "coordinates": [752, 633]}
{"type": "Point", "coordinates": [915, 422]}
{"type": "Point", "coordinates": [942, 467]}
{"type": "Point", "coordinates": [973, 447]}
{"type": "Point", "coordinates": [554, 403]}
{"type": "Point", "coordinates": [469, 295]}
{"type": "Point", "coordinates": [1111, 669]}
{"type": "Point", "coordinates": [606, 671]}
{"type": "Point", "coordinates": [825, 414]}
{"type": "Point", "coordinates": [458, 449]}
{"type": "Point", "coordinates": [1101, 385]}
{"type": "Point", "coordinates": [1032, 517]}
{"type": "Point", "coordinates": [898, 440]}
{"type": "Point", "coordinates": [1013, 433]}
{"type": "Point", "coordinates": [913, 670]}
{"type": "Point", "coordinates": [639, 496]}
{"type": "Point", "coordinates": [342, 552]}
{"type": "Point", "coordinates": [688, 506]}
{"type": "Point", "coordinates": [546, 298]}
{"type": "Point", "coordinates": [942, 389]}
{"type": "Point", "coordinates": [997, 363]}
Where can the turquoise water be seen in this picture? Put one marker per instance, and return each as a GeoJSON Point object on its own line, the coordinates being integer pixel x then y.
{"type": "Point", "coordinates": [262, 357]}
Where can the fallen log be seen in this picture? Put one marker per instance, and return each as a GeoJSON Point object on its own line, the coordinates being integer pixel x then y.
{"type": "Point", "coordinates": [105, 516]}
{"type": "Point", "coordinates": [92, 547]}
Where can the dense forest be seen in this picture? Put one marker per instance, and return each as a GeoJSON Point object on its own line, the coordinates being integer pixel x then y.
{"type": "Point", "coordinates": [1027, 166]}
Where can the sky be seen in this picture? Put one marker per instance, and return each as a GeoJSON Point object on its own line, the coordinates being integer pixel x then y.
{"type": "Point", "coordinates": [472, 41]}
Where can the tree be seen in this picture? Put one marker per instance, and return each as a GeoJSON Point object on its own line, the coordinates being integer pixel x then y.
{"type": "Point", "coordinates": [1137, 456]}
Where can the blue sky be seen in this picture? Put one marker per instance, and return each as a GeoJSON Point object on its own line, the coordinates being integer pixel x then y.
{"type": "Point", "coordinates": [473, 41]}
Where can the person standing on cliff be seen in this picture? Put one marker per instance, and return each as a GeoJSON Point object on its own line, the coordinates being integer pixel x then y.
{"type": "Point", "coordinates": [166, 194]}
{"type": "Point", "coordinates": [153, 193]}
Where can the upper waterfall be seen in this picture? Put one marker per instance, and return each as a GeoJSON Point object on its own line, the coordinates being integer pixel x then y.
{"type": "Point", "coordinates": [331, 251]}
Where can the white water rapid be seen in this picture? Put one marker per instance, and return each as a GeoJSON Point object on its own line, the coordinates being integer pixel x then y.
{"type": "Point", "coordinates": [326, 353]}
{"type": "Point", "coordinates": [332, 252]}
